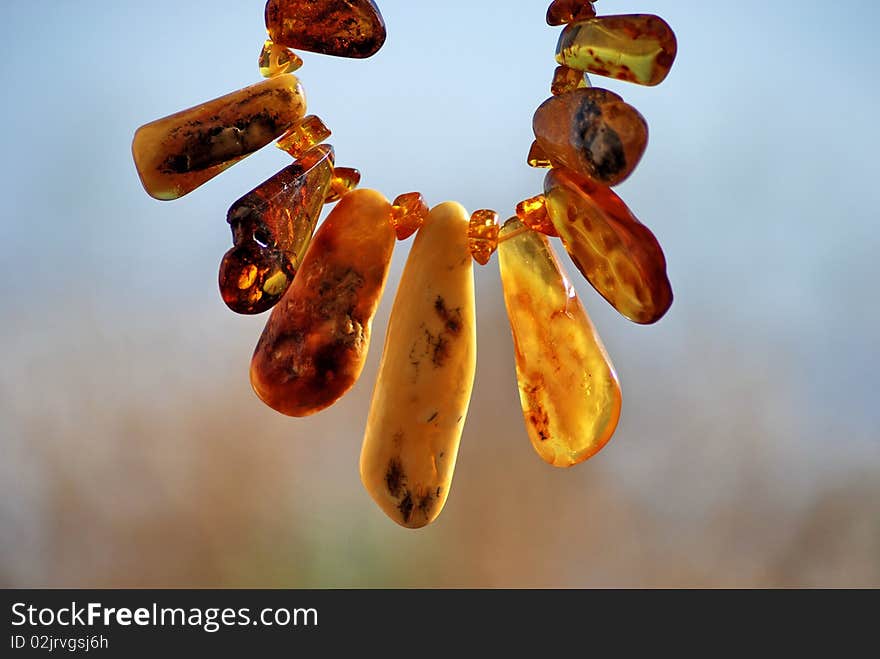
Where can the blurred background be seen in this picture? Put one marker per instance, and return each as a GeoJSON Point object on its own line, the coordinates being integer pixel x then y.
{"type": "Point", "coordinates": [134, 452]}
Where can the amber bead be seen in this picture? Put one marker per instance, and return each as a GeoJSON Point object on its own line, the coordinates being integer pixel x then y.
{"type": "Point", "coordinates": [568, 389]}
{"type": "Point", "coordinates": [314, 345]}
{"type": "Point", "coordinates": [483, 235]}
{"type": "Point", "coordinates": [533, 214]}
{"type": "Point", "coordinates": [537, 157]}
{"type": "Point", "coordinates": [566, 80]}
{"type": "Point", "coordinates": [561, 12]}
{"type": "Point", "coordinates": [408, 214]}
{"type": "Point", "coordinates": [177, 154]}
{"type": "Point", "coordinates": [271, 228]}
{"type": "Point", "coordinates": [593, 132]}
{"type": "Point", "coordinates": [619, 256]}
{"type": "Point", "coordinates": [304, 135]}
{"type": "Point", "coordinates": [638, 48]}
{"type": "Point", "coordinates": [345, 179]}
{"type": "Point", "coordinates": [344, 28]}
{"type": "Point", "coordinates": [276, 60]}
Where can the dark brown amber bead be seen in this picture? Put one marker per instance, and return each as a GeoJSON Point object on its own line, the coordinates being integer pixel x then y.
{"type": "Point", "coordinates": [533, 214]}
{"type": "Point", "coordinates": [271, 228]}
{"type": "Point", "coordinates": [593, 132]}
{"type": "Point", "coordinates": [408, 214]}
{"type": "Point", "coordinates": [569, 11]}
{"type": "Point", "coordinates": [344, 28]}
{"type": "Point", "coordinates": [537, 157]}
{"type": "Point", "coordinates": [566, 80]}
{"type": "Point", "coordinates": [345, 179]}
{"type": "Point", "coordinates": [617, 254]}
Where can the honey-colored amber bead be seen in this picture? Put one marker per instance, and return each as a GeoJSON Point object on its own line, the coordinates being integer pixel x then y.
{"type": "Point", "coordinates": [314, 345]}
{"type": "Point", "coordinates": [408, 214]}
{"type": "Point", "coordinates": [277, 60]}
{"type": "Point", "coordinates": [177, 154]}
{"type": "Point", "coordinates": [617, 254]}
{"type": "Point", "coordinates": [566, 80]}
{"type": "Point", "coordinates": [344, 28]}
{"type": "Point", "coordinates": [638, 48]}
{"type": "Point", "coordinates": [537, 157]}
{"type": "Point", "coordinates": [483, 235]}
{"type": "Point", "coordinates": [561, 12]}
{"type": "Point", "coordinates": [304, 135]}
{"type": "Point", "coordinates": [533, 214]}
{"type": "Point", "coordinates": [426, 376]}
{"type": "Point", "coordinates": [567, 385]}
{"type": "Point", "coordinates": [271, 228]}
{"type": "Point", "coordinates": [345, 179]}
{"type": "Point", "coordinates": [593, 132]}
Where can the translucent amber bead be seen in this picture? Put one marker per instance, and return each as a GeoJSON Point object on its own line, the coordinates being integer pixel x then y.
{"type": "Point", "coordinates": [314, 345]}
{"type": "Point", "coordinates": [408, 214]}
{"type": "Point", "coordinates": [537, 157]}
{"type": "Point", "coordinates": [426, 376]}
{"type": "Point", "coordinates": [177, 154]}
{"type": "Point", "coordinates": [483, 235]}
{"type": "Point", "coordinates": [305, 134]}
{"type": "Point", "coordinates": [345, 28]}
{"type": "Point", "coordinates": [566, 80]}
{"type": "Point", "coordinates": [276, 60]}
{"type": "Point", "coordinates": [639, 48]}
{"type": "Point", "coordinates": [567, 385]}
{"type": "Point", "coordinates": [345, 179]}
{"type": "Point", "coordinates": [619, 256]}
{"type": "Point", "coordinates": [593, 132]}
{"type": "Point", "coordinates": [569, 11]}
{"type": "Point", "coordinates": [533, 214]}
{"type": "Point", "coordinates": [271, 228]}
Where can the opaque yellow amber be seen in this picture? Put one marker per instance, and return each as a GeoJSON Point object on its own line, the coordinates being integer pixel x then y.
{"type": "Point", "coordinates": [276, 60]}
{"type": "Point", "coordinates": [638, 48]}
{"type": "Point", "coordinates": [561, 12]}
{"type": "Point", "coordinates": [408, 214]}
{"type": "Point", "coordinates": [567, 385]}
{"type": "Point", "coordinates": [177, 154]}
{"type": "Point", "coordinates": [483, 235]}
{"type": "Point", "coordinates": [305, 134]}
{"type": "Point", "coordinates": [426, 376]}
{"type": "Point", "coordinates": [345, 179]}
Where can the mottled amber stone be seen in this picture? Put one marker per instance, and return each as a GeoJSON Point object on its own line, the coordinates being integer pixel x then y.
{"type": "Point", "coordinates": [537, 157]}
{"type": "Point", "coordinates": [304, 135]}
{"type": "Point", "coordinates": [408, 214]}
{"type": "Point", "coordinates": [177, 154]}
{"type": "Point", "coordinates": [277, 60]}
{"type": "Point", "coordinates": [619, 256]}
{"type": "Point", "coordinates": [483, 235]}
{"type": "Point", "coordinates": [568, 389]}
{"type": "Point", "coordinates": [271, 228]}
{"type": "Point", "coordinates": [593, 132]}
{"type": "Point", "coordinates": [344, 28]}
{"type": "Point", "coordinates": [637, 48]}
{"type": "Point", "coordinates": [533, 214]}
{"type": "Point", "coordinates": [561, 12]}
{"type": "Point", "coordinates": [345, 179]}
{"type": "Point", "coordinates": [566, 80]}
{"type": "Point", "coordinates": [314, 345]}
{"type": "Point", "coordinates": [426, 376]}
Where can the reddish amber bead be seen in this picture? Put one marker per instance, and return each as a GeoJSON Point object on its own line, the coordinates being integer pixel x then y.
{"type": "Point", "coordinates": [305, 134]}
{"type": "Point", "coordinates": [276, 60]}
{"type": "Point", "coordinates": [533, 214]}
{"type": "Point", "coordinates": [593, 132]}
{"type": "Point", "coordinates": [483, 235]}
{"type": "Point", "coordinates": [345, 28]}
{"type": "Point", "coordinates": [566, 80]}
{"type": "Point", "coordinates": [619, 256]}
{"type": "Point", "coordinates": [408, 214]}
{"type": "Point", "coordinates": [345, 179]}
{"type": "Point", "coordinates": [569, 11]}
{"type": "Point", "coordinates": [537, 157]}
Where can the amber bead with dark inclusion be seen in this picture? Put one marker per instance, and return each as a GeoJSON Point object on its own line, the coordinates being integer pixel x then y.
{"type": "Point", "coordinates": [345, 179]}
{"type": "Point", "coordinates": [305, 134]}
{"type": "Point", "coordinates": [276, 60]}
{"type": "Point", "coordinates": [638, 48]}
{"type": "Point", "coordinates": [617, 254]}
{"type": "Point", "coordinates": [537, 157]}
{"type": "Point", "coordinates": [408, 214]}
{"type": "Point", "coordinates": [561, 12]}
{"type": "Point", "coordinates": [344, 28]}
{"type": "Point", "coordinates": [593, 132]}
{"type": "Point", "coordinates": [533, 214]}
{"type": "Point", "coordinates": [566, 80]}
{"type": "Point", "coordinates": [177, 154]}
{"type": "Point", "coordinates": [314, 345]}
{"type": "Point", "coordinates": [483, 235]}
{"type": "Point", "coordinates": [271, 228]}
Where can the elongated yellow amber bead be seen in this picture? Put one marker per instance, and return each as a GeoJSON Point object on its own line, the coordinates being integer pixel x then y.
{"type": "Point", "coordinates": [567, 385]}
{"type": "Point", "coordinates": [426, 376]}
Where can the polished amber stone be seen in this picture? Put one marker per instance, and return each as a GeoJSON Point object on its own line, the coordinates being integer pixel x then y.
{"type": "Point", "coordinates": [483, 235]}
{"type": "Point", "coordinates": [619, 256]}
{"type": "Point", "coordinates": [277, 60]}
{"type": "Point", "coordinates": [303, 135]}
{"type": "Point", "coordinates": [637, 48]}
{"type": "Point", "coordinates": [271, 228]}
{"type": "Point", "coordinates": [533, 214]}
{"type": "Point", "coordinates": [344, 28]}
{"type": "Point", "coordinates": [426, 375]}
{"type": "Point", "coordinates": [345, 179]}
{"type": "Point", "coordinates": [593, 132]}
{"type": "Point", "coordinates": [177, 154]}
{"type": "Point", "coordinates": [537, 157]}
{"type": "Point", "coordinates": [567, 385]}
{"type": "Point", "coordinates": [314, 345]}
{"type": "Point", "coordinates": [566, 80]}
{"type": "Point", "coordinates": [408, 214]}
{"type": "Point", "coordinates": [561, 12]}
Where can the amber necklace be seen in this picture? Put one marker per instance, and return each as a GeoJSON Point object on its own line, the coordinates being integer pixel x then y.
{"type": "Point", "coordinates": [324, 286]}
